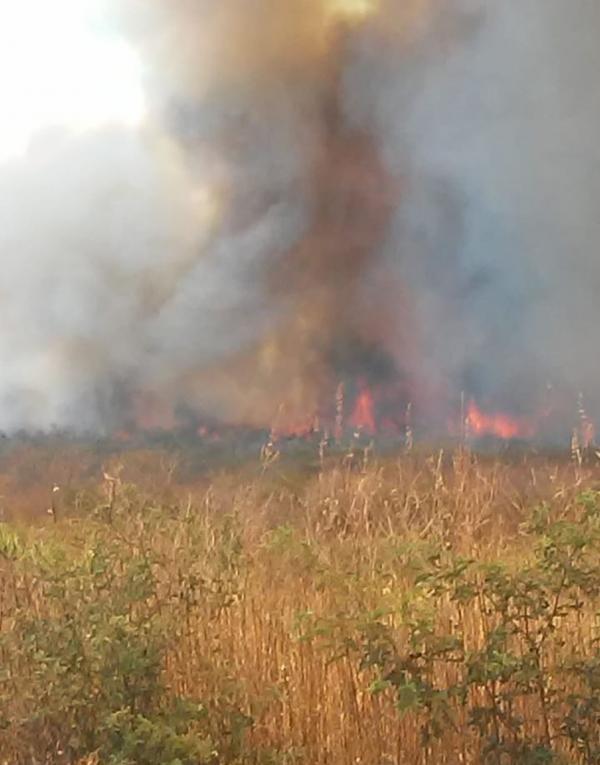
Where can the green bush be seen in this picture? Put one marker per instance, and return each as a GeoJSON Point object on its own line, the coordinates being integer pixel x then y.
{"type": "Point", "coordinates": [87, 648]}
{"type": "Point", "coordinates": [411, 652]}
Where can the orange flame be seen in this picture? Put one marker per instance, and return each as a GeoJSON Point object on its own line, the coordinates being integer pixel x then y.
{"type": "Point", "coordinates": [363, 416]}
{"type": "Point", "coordinates": [497, 424]}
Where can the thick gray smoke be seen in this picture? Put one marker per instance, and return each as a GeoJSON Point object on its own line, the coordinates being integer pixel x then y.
{"type": "Point", "coordinates": [151, 261]}
{"type": "Point", "coordinates": [491, 115]}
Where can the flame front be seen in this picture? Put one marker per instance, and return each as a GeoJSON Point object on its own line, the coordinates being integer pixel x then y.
{"type": "Point", "coordinates": [497, 424]}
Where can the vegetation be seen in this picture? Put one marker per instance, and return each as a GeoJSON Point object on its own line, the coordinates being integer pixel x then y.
{"type": "Point", "coordinates": [424, 610]}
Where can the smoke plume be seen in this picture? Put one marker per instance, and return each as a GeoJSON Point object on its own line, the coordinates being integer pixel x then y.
{"type": "Point", "coordinates": [490, 114]}
{"type": "Point", "coordinates": [402, 193]}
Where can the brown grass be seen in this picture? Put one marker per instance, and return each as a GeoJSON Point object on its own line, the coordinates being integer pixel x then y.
{"type": "Point", "coordinates": [278, 548]}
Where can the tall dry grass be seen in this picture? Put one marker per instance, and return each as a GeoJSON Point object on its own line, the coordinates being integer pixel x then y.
{"type": "Point", "coordinates": [290, 604]}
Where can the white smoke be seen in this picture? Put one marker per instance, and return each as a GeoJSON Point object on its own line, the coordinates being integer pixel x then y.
{"type": "Point", "coordinates": [89, 227]}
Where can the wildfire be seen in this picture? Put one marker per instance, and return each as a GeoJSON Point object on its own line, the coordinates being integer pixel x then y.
{"type": "Point", "coordinates": [357, 408]}
{"type": "Point", "coordinates": [497, 424]}
{"type": "Point", "coordinates": [363, 416]}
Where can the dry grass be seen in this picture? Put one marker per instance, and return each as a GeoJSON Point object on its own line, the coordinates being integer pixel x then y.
{"type": "Point", "coordinates": [267, 580]}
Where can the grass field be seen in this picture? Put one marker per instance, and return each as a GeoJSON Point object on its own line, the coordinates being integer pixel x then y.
{"type": "Point", "coordinates": [439, 608]}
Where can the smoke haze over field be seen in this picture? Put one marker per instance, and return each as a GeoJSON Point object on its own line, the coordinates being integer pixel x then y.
{"type": "Point", "coordinates": [406, 193]}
